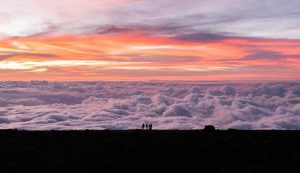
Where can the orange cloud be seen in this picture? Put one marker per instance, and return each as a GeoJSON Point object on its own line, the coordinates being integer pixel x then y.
{"type": "Point", "coordinates": [134, 55]}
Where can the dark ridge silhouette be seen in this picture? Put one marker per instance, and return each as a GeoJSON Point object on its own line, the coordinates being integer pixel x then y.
{"type": "Point", "coordinates": [209, 128]}
{"type": "Point", "coordinates": [229, 151]}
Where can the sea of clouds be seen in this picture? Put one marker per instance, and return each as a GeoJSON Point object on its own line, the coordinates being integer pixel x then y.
{"type": "Point", "coordinates": [42, 105]}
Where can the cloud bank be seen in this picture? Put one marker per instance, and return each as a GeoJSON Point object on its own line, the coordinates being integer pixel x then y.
{"type": "Point", "coordinates": [41, 105]}
{"type": "Point", "coordinates": [250, 18]}
{"type": "Point", "coordinates": [149, 40]}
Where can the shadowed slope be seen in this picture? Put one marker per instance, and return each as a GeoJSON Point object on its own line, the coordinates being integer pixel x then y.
{"type": "Point", "coordinates": [143, 151]}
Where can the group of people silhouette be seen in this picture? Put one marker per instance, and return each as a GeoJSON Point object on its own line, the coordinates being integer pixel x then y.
{"type": "Point", "coordinates": [146, 126]}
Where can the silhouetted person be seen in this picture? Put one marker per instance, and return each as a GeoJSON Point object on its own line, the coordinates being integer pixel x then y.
{"type": "Point", "coordinates": [150, 126]}
{"type": "Point", "coordinates": [143, 126]}
{"type": "Point", "coordinates": [147, 126]}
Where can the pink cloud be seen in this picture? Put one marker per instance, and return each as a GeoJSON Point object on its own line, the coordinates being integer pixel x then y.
{"type": "Point", "coordinates": [117, 105]}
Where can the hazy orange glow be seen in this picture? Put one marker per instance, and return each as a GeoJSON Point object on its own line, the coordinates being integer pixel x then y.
{"type": "Point", "coordinates": [140, 56]}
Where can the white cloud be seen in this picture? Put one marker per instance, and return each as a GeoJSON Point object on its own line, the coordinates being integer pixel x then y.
{"type": "Point", "coordinates": [167, 105]}
{"type": "Point", "coordinates": [177, 110]}
{"type": "Point", "coordinates": [251, 18]}
{"type": "Point", "coordinates": [37, 65]}
{"type": "Point", "coordinates": [64, 16]}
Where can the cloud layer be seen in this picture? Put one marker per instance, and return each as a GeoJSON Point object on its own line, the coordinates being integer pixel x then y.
{"type": "Point", "coordinates": [86, 40]}
{"type": "Point", "coordinates": [167, 105]}
{"type": "Point", "coordinates": [251, 18]}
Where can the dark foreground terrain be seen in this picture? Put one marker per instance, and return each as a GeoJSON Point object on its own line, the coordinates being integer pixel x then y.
{"type": "Point", "coordinates": [150, 151]}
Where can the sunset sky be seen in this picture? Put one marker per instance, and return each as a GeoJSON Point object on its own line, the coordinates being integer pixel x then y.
{"type": "Point", "coordinates": [82, 40]}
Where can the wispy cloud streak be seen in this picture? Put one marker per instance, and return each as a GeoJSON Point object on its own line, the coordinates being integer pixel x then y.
{"type": "Point", "coordinates": [132, 39]}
